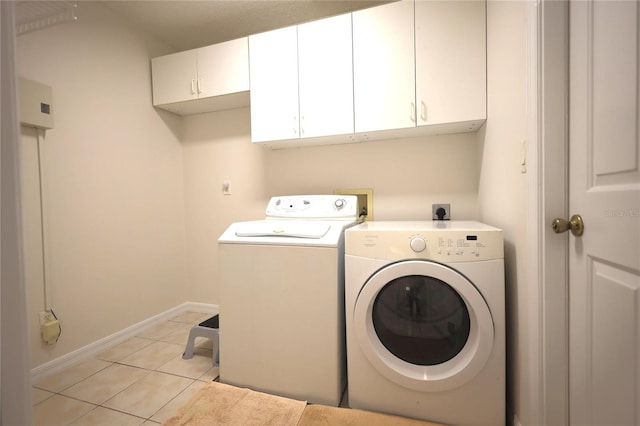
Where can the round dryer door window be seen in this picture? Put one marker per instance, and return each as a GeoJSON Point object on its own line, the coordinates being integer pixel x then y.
{"type": "Point", "coordinates": [423, 325]}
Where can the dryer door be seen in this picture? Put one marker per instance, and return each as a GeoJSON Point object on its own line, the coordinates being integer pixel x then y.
{"type": "Point", "coordinates": [423, 325]}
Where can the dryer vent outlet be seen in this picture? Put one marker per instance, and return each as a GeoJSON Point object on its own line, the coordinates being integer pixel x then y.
{"type": "Point", "coordinates": [441, 211]}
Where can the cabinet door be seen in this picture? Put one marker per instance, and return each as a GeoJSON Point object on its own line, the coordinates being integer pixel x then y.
{"type": "Point", "coordinates": [325, 72]}
{"type": "Point", "coordinates": [451, 80]}
{"type": "Point", "coordinates": [384, 67]}
{"type": "Point", "coordinates": [223, 68]}
{"type": "Point", "coordinates": [273, 74]}
{"type": "Point", "coordinates": [174, 77]}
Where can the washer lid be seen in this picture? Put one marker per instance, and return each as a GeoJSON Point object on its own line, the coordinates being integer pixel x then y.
{"type": "Point", "coordinates": [279, 232]}
{"type": "Point", "coordinates": [282, 228]}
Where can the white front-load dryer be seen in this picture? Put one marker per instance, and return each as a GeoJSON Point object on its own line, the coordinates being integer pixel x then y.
{"type": "Point", "coordinates": [425, 318]}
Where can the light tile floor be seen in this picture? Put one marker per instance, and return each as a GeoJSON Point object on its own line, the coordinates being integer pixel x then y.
{"type": "Point", "coordinates": [143, 380]}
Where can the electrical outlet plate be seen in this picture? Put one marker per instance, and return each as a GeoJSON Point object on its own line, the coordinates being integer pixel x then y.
{"type": "Point", "coordinates": [365, 199]}
{"type": "Point", "coordinates": [447, 209]}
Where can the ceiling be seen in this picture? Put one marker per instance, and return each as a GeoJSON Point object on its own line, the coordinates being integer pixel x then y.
{"type": "Point", "coordinates": [187, 24]}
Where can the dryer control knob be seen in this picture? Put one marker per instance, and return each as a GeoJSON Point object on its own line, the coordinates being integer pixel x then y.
{"type": "Point", "coordinates": [418, 244]}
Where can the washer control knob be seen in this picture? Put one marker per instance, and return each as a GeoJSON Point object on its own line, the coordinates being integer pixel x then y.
{"type": "Point", "coordinates": [339, 203]}
{"type": "Point", "coordinates": [418, 244]}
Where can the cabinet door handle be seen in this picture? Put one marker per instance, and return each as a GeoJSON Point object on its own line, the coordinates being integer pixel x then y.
{"type": "Point", "coordinates": [193, 86]}
{"type": "Point", "coordinates": [199, 85]}
{"type": "Point", "coordinates": [295, 125]}
{"type": "Point", "coordinates": [412, 115]}
{"type": "Point", "coordinates": [423, 111]}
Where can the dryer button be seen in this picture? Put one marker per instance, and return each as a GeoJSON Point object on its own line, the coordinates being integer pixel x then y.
{"type": "Point", "coordinates": [418, 244]}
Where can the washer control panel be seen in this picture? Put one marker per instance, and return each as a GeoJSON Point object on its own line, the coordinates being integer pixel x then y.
{"type": "Point", "coordinates": [453, 242]}
{"type": "Point", "coordinates": [322, 207]}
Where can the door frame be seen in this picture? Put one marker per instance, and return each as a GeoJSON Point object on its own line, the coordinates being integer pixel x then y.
{"type": "Point", "coordinates": [548, 197]}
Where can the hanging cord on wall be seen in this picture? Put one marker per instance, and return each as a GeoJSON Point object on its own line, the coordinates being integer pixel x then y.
{"type": "Point", "coordinates": [42, 233]}
{"type": "Point", "coordinates": [45, 282]}
{"type": "Point", "coordinates": [59, 326]}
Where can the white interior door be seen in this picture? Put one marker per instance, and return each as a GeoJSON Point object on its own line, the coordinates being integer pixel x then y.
{"type": "Point", "coordinates": [604, 188]}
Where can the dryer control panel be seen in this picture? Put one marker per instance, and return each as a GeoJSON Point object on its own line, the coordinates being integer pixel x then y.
{"type": "Point", "coordinates": [443, 242]}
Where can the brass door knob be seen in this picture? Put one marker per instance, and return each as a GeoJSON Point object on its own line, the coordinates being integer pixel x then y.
{"type": "Point", "coordinates": [575, 225]}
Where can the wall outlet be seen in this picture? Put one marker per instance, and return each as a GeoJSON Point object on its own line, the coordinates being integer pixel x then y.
{"type": "Point", "coordinates": [441, 211]}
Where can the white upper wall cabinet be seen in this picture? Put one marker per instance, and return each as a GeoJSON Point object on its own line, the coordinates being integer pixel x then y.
{"type": "Point", "coordinates": [223, 68]}
{"type": "Point", "coordinates": [213, 78]}
{"type": "Point", "coordinates": [325, 65]}
{"type": "Point", "coordinates": [384, 67]}
{"type": "Point", "coordinates": [440, 86]}
{"type": "Point", "coordinates": [174, 77]}
{"type": "Point", "coordinates": [451, 77]}
{"type": "Point", "coordinates": [302, 81]}
{"type": "Point", "coordinates": [273, 74]}
{"type": "Point", "coordinates": [402, 69]}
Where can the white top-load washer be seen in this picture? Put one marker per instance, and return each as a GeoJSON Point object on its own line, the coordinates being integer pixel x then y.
{"type": "Point", "coordinates": [282, 298]}
{"type": "Point", "coordinates": [425, 317]}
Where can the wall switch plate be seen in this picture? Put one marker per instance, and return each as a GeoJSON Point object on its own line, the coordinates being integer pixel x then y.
{"type": "Point", "coordinates": [441, 211]}
{"type": "Point", "coordinates": [226, 187]}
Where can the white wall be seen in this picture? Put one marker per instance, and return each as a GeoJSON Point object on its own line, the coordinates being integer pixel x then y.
{"type": "Point", "coordinates": [503, 187]}
{"type": "Point", "coordinates": [406, 175]}
{"type": "Point", "coordinates": [112, 181]}
{"type": "Point", "coordinates": [216, 147]}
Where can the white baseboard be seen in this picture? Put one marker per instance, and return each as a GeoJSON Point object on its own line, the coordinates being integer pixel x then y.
{"type": "Point", "coordinates": [42, 371]}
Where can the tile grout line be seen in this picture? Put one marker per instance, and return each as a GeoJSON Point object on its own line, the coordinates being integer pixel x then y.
{"type": "Point", "coordinates": [147, 372]}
